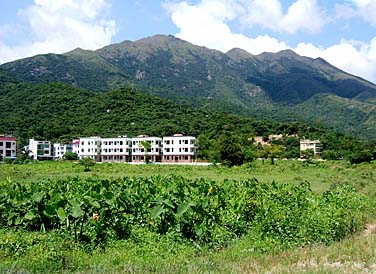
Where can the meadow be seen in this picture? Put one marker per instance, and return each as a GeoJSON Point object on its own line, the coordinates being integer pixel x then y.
{"type": "Point", "coordinates": [290, 217]}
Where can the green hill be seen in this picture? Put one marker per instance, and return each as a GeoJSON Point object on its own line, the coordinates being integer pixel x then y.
{"type": "Point", "coordinates": [282, 86]}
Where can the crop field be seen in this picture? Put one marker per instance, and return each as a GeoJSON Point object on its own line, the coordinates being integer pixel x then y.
{"type": "Point", "coordinates": [118, 218]}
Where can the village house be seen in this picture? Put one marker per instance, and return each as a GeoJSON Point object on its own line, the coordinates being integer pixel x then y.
{"type": "Point", "coordinates": [76, 146]}
{"type": "Point", "coordinates": [154, 154]}
{"type": "Point", "coordinates": [61, 149]}
{"type": "Point", "coordinates": [8, 147]}
{"type": "Point", "coordinates": [90, 147]}
{"type": "Point", "coordinates": [179, 148]}
{"type": "Point", "coordinates": [314, 145]}
{"type": "Point", "coordinates": [39, 150]}
{"type": "Point", "coordinates": [116, 149]}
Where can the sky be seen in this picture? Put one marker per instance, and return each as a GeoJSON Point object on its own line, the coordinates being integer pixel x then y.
{"type": "Point", "coordinates": [341, 32]}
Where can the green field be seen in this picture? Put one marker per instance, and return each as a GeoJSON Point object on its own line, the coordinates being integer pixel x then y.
{"type": "Point", "coordinates": [259, 218]}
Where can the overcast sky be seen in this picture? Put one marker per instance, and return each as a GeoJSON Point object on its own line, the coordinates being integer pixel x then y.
{"type": "Point", "coordinates": [342, 32]}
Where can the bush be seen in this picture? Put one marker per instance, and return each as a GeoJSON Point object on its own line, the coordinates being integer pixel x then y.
{"type": "Point", "coordinates": [360, 157]}
{"type": "Point", "coordinates": [88, 163]}
{"type": "Point", "coordinates": [70, 156]}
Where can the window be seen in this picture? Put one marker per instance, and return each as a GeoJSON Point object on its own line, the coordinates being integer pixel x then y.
{"type": "Point", "coordinates": [121, 143]}
{"type": "Point", "coordinates": [1, 144]}
{"type": "Point", "coordinates": [8, 144]}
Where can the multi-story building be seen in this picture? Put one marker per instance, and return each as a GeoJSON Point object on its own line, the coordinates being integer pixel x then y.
{"type": "Point", "coordinates": [314, 145]}
{"type": "Point", "coordinates": [141, 154]}
{"type": "Point", "coordinates": [90, 147]}
{"type": "Point", "coordinates": [116, 149]}
{"type": "Point", "coordinates": [39, 150]}
{"type": "Point", "coordinates": [61, 149]}
{"type": "Point", "coordinates": [76, 146]}
{"type": "Point", "coordinates": [179, 148]}
{"type": "Point", "coordinates": [8, 147]}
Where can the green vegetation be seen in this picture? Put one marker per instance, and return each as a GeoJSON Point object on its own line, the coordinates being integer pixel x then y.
{"type": "Point", "coordinates": [281, 86]}
{"type": "Point", "coordinates": [64, 112]}
{"type": "Point", "coordinates": [121, 216]}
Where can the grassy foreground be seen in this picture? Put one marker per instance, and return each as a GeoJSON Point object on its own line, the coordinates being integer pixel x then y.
{"type": "Point", "coordinates": [151, 252]}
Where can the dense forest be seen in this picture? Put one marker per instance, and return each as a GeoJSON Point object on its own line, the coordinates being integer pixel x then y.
{"type": "Point", "coordinates": [60, 112]}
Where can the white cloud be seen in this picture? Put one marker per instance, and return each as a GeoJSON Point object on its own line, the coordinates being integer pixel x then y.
{"type": "Point", "coordinates": [60, 26]}
{"type": "Point", "coordinates": [204, 25]}
{"type": "Point", "coordinates": [302, 15]}
{"type": "Point", "coordinates": [365, 9]}
{"type": "Point", "coordinates": [210, 30]}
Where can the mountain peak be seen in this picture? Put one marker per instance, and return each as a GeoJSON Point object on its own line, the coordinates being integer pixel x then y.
{"type": "Point", "coordinates": [160, 40]}
{"type": "Point", "coordinates": [238, 54]}
{"type": "Point", "coordinates": [287, 53]}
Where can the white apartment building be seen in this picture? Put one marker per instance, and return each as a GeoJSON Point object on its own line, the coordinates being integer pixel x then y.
{"type": "Point", "coordinates": [8, 147]}
{"type": "Point", "coordinates": [154, 154]}
{"type": "Point", "coordinates": [39, 150]}
{"type": "Point", "coordinates": [76, 146]}
{"type": "Point", "coordinates": [116, 149]}
{"type": "Point", "coordinates": [90, 147]}
{"type": "Point", "coordinates": [179, 148]}
{"type": "Point", "coordinates": [61, 149]}
{"type": "Point", "coordinates": [315, 145]}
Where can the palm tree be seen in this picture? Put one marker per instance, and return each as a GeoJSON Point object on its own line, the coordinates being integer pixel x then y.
{"type": "Point", "coordinates": [146, 146]}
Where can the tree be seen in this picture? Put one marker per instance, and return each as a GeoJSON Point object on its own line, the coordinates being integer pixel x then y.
{"type": "Point", "coordinates": [146, 146]}
{"type": "Point", "coordinates": [307, 154]}
{"type": "Point", "coordinates": [360, 157]}
{"type": "Point", "coordinates": [87, 163]}
{"type": "Point", "coordinates": [231, 150]}
{"type": "Point", "coordinates": [274, 151]}
{"type": "Point", "coordinates": [70, 156]}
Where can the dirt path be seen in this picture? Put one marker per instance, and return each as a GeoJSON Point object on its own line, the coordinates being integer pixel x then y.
{"type": "Point", "coordinates": [369, 229]}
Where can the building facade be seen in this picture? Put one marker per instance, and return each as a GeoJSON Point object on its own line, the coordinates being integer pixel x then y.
{"type": "Point", "coordinates": [314, 145]}
{"type": "Point", "coordinates": [141, 154]}
{"type": "Point", "coordinates": [90, 147]}
{"type": "Point", "coordinates": [39, 150]}
{"type": "Point", "coordinates": [76, 146]}
{"type": "Point", "coordinates": [8, 147]}
{"type": "Point", "coordinates": [116, 149]}
{"type": "Point", "coordinates": [179, 148]}
{"type": "Point", "coordinates": [61, 149]}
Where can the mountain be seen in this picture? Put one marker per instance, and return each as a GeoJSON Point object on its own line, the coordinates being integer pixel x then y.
{"type": "Point", "coordinates": [60, 111]}
{"type": "Point", "coordinates": [283, 85]}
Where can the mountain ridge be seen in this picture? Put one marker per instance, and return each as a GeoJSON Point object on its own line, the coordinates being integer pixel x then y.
{"type": "Point", "coordinates": [235, 81]}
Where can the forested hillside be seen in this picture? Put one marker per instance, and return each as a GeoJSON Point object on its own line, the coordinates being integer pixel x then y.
{"type": "Point", "coordinates": [282, 86]}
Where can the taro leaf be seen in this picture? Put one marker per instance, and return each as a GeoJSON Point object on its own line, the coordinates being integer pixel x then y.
{"type": "Point", "coordinates": [18, 221]}
{"type": "Point", "coordinates": [95, 204]}
{"type": "Point", "coordinates": [61, 214]}
{"type": "Point", "coordinates": [77, 212]}
{"type": "Point", "coordinates": [183, 207]}
{"type": "Point", "coordinates": [30, 216]}
{"type": "Point", "coordinates": [37, 197]}
{"type": "Point", "coordinates": [156, 211]}
{"type": "Point", "coordinates": [168, 204]}
{"type": "Point", "coordinates": [49, 211]}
